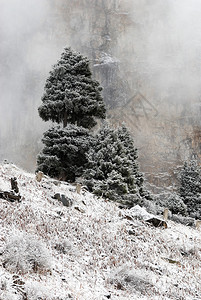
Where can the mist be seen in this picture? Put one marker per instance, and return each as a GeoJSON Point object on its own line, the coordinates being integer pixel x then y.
{"type": "Point", "coordinates": [27, 53]}
{"type": "Point", "coordinates": [166, 43]}
{"type": "Point", "coordinates": [152, 46]}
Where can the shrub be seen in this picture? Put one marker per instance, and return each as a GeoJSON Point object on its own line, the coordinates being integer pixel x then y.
{"type": "Point", "coordinates": [23, 253]}
{"type": "Point", "coordinates": [173, 202]}
{"type": "Point", "coordinates": [131, 279]}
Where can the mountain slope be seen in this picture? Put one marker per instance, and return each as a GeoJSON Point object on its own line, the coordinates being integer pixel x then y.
{"type": "Point", "coordinates": [90, 250]}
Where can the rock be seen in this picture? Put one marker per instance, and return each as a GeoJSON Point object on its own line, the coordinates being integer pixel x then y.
{"type": "Point", "coordinates": [165, 214]}
{"type": "Point", "coordinates": [157, 222]}
{"type": "Point", "coordinates": [78, 188]}
{"type": "Point", "coordinates": [14, 186]}
{"type": "Point", "coordinates": [39, 176]}
{"type": "Point", "coordinates": [79, 209]}
{"type": "Point", "coordinates": [198, 224]}
{"type": "Point", "coordinates": [10, 196]}
{"type": "Point", "coordinates": [65, 200]}
{"type": "Point", "coordinates": [140, 213]}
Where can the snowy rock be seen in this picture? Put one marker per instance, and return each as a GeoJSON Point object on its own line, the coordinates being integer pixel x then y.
{"type": "Point", "coordinates": [65, 200]}
{"type": "Point", "coordinates": [39, 176]}
{"type": "Point", "coordinates": [140, 213]}
{"type": "Point", "coordinates": [63, 247]}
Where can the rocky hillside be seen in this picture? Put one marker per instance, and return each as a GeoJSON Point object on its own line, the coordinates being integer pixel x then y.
{"type": "Point", "coordinates": [87, 248]}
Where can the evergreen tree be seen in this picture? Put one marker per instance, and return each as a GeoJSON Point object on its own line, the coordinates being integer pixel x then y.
{"type": "Point", "coordinates": [71, 95]}
{"type": "Point", "coordinates": [172, 201]}
{"type": "Point", "coordinates": [190, 187]}
{"type": "Point", "coordinates": [73, 98]}
{"type": "Point", "coordinates": [63, 155]}
{"type": "Point", "coordinates": [111, 169]}
{"type": "Point", "coordinates": [132, 153]}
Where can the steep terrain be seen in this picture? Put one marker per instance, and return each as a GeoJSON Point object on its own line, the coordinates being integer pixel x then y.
{"type": "Point", "coordinates": [90, 250]}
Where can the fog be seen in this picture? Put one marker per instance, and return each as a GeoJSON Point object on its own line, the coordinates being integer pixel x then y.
{"type": "Point", "coordinates": [156, 43]}
{"type": "Point", "coordinates": [26, 56]}
{"type": "Point", "coordinates": [166, 43]}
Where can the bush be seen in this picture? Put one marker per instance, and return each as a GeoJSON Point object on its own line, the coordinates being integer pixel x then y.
{"type": "Point", "coordinates": [187, 221]}
{"type": "Point", "coordinates": [171, 201]}
{"type": "Point", "coordinates": [23, 253]}
{"type": "Point", "coordinates": [125, 278]}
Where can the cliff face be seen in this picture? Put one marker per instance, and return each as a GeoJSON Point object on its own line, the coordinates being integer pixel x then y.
{"type": "Point", "coordinates": [143, 59]}
{"type": "Point", "coordinates": [139, 72]}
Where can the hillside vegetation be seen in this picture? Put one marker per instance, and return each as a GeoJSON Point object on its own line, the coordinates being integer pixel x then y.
{"type": "Point", "coordinates": [91, 249]}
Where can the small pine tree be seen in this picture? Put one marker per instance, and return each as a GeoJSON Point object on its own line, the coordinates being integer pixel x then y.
{"type": "Point", "coordinates": [71, 94]}
{"type": "Point", "coordinates": [111, 169]}
{"type": "Point", "coordinates": [190, 187]}
{"type": "Point", "coordinates": [64, 155]}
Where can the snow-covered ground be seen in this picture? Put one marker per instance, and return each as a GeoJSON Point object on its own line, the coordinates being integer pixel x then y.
{"type": "Point", "coordinates": [91, 250]}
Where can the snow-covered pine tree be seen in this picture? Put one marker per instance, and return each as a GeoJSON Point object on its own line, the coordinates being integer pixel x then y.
{"type": "Point", "coordinates": [63, 155]}
{"type": "Point", "coordinates": [111, 171]}
{"type": "Point", "coordinates": [132, 153]}
{"type": "Point", "coordinates": [190, 187]}
{"type": "Point", "coordinates": [73, 97]}
{"type": "Point", "coordinates": [71, 94]}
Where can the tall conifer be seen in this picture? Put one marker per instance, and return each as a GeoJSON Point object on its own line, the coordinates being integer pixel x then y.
{"type": "Point", "coordinates": [71, 98]}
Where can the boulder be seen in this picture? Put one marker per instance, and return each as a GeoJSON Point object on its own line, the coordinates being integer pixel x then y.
{"type": "Point", "coordinates": [140, 213]}
{"type": "Point", "coordinates": [157, 222]}
{"type": "Point", "coordinates": [64, 199]}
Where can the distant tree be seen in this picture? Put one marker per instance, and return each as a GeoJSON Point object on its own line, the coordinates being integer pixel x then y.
{"type": "Point", "coordinates": [190, 187]}
{"type": "Point", "coordinates": [64, 153]}
{"type": "Point", "coordinates": [112, 171]}
{"type": "Point", "coordinates": [71, 94]}
{"type": "Point", "coordinates": [72, 98]}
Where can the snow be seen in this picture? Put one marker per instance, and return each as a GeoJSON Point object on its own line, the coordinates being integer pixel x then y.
{"type": "Point", "coordinates": [92, 255]}
{"type": "Point", "coordinates": [106, 59]}
{"type": "Point", "coordinates": [140, 212]}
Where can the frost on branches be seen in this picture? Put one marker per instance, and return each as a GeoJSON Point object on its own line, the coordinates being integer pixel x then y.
{"type": "Point", "coordinates": [112, 170]}
{"type": "Point", "coordinates": [71, 95]}
{"type": "Point", "coordinates": [63, 155]}
{"type": "Point", "coordinates": [190, 187]}
{"type": "Point", "coordinates": [73, 98]}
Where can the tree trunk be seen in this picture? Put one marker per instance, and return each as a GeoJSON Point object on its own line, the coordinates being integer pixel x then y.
{"type": "Point", "coordinates": [65, 119]}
